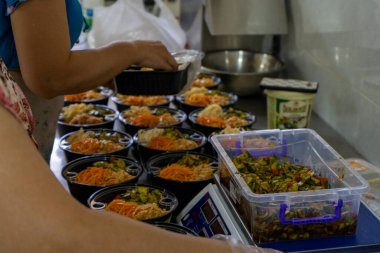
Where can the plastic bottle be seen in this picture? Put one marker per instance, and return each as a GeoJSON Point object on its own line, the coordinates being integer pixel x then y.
{"type": "Point", "coordinates": [88, 10]}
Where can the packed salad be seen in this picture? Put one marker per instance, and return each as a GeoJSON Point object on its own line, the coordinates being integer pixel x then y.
{"type": "Point", "coordinates": [104, 173]}
{"type": "Point", "coordinates": [167, 139]}
{"type": "Point", "coordinates": [99, 142]}
{"type": "Point", "coordinates": [85, 114]}
{"type": "Point", "coordinates": [214, 116]}
{"type": "Point", "coordinates": [144, 116]}
{"type": "Point", "coordinates": [142, 100]}
{"type": "Point", "coordinates": [190, 167]}
{"type": "Point", "coordinates": [140, 203]}
{"type": "Point", "coordinates": [200, 96]}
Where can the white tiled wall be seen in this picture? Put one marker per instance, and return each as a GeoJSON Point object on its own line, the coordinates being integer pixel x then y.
{"type": "Point", "coordinates": [337, 43]}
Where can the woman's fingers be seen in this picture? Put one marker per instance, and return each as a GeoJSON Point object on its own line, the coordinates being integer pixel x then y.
{"type": "Point", "coordinates": [172, 62]}
{"type": "Point", "coordinates": [155, 55]}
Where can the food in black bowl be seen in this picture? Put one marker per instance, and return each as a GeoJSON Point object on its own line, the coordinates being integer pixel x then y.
{"type": "Point", "coordinates": [230, 130]}
{"type": "Point", "coordinates": [88, 174]}
{"type": "Point", "coordinates": [174, 228]}
{"type": "Point", "coordinates": [197, 98]}
{"type": "Point", "coordinates": [145, 81]}
{"type": "Point", "coordinates": [207, 80]}
{"type": "Point", "coordinates": [95, 141]}
{"type": "Point", "coordinates": [154, 141]}
{"type": "Point", "coordinates": [139, 202]}
{"type": "Point", "coordinates": [214, 117]}
{"type": "Point", "coordinates": [209, 149]}
{"type": "Point", "coordinates": [183, 173]}
{"type": "Point", "coordinates": [99, 95]}
{"type": "Point", "coordinates": [123, 102]}
{"type": "Point", "coordinates": [76, 116]}
{"type": "Point", "coordinates": [140, 117]}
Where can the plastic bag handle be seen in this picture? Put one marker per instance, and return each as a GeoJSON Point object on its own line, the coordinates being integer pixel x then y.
{"type": "Point", "coordinates": [320, 219]}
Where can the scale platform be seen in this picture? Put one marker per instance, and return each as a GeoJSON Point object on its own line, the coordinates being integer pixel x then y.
{"type": "Point", "coordinates": [213, 207]}
{"type": "Point", "coordinates": [367, 238]}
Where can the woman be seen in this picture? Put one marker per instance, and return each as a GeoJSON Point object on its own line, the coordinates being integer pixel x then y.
{"type": "Point", "coordinates": [35, 43]}
{"type": "Point", "coordinates": [40, 216]}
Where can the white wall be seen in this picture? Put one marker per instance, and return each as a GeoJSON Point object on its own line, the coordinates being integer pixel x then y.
{"type": "Point", "coordinates": [337, 43]}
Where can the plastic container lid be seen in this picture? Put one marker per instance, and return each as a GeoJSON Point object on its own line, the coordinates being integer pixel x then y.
{"type": "Point", "coordinates": [289, 85]}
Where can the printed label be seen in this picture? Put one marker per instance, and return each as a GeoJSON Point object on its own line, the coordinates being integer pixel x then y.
{"type": "Point", "coordinates": [292, 113]}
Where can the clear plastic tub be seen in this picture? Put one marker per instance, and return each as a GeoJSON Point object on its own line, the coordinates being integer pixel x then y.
{"type": "Point", "coordinates": [292, 215]}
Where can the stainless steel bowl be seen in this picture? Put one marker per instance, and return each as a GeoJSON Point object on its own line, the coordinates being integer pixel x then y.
{"type": "Point", "coordinates": [241, 71]}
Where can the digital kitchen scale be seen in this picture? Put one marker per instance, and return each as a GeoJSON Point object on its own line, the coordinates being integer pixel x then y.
{"type": "Point", "coordinates": [209, 213]}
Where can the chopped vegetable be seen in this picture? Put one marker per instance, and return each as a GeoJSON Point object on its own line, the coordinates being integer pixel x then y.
{"type": "Point", "coordinates": [268, 175]}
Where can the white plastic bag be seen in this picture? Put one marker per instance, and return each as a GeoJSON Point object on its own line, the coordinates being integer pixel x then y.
{"type": "Point", "coordinates": [128, 20]}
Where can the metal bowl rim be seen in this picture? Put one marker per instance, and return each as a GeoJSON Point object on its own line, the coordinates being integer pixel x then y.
{"type": "Point", "coordinates": [223, 72]}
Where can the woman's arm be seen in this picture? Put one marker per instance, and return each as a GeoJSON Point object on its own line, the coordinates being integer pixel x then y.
{"type": "Point", "coordinates": [38, 215]}
{"type": "Point", "coordinates": [50, 68]}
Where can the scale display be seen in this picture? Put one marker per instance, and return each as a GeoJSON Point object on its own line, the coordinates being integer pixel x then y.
{"type": "Point", "coordinates": [204, 218]}
{"type": "Point", "coordinates": [207, 214]}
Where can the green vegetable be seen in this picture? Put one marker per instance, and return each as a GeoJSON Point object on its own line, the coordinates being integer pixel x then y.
{"type": "Point", "coordinates": [115, 164]}
{"type": "Point", "coordinates": [142, 195]}
{"type": "Point", "coordinates": [174, 134]}
{"type": "Point", "coordinates": [269, 175]}
{"type": "Point", "coordinates": [191, 161]}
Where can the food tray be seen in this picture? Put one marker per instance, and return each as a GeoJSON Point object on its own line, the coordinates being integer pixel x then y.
{"type": "Point", "coordinates": [292, 215]}
{"type": "Point", "coordinates": [134, 81]}
{"type": "Point", "coordinates": [371, 173]}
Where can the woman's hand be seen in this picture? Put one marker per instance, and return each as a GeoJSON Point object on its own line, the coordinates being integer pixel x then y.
{"type": "Point", "coordinates": [154, 54]}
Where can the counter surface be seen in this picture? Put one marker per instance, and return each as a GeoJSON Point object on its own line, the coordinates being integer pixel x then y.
{"type": "Point", "coordinates": [257, 105]}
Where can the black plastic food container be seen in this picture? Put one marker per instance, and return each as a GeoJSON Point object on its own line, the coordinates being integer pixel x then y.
{"type": "Point", "coordinates": [106, 92]}
{"type": "Point", "coordinates": [184, 190]}
{"type": "Point", "coordinates": [126, 141]}
{"type": "Point", "coordinates": [109, 121]}
{"type": "Point", "coordinates": [132, 129]}
{"type": "Point", "coordinates": [146, 152]}
{"type": "Point", "coordinates": [83, 191]}
{"type": "Point", "coordinates": [134, 81]}
{"type": "Point", "coordinates": [101, 198]}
